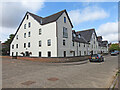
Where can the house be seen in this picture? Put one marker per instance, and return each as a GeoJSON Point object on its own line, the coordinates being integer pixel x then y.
{"type": "Point", "coordinates": [91, 37]}
{"type": "Point", "coordinates": [103, 45]}
{"type": "Point", "coordinates": [52, 36]}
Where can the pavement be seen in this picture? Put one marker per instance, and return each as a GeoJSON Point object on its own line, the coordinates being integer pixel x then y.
{"type": "Point", "coordinates": [29, 74]}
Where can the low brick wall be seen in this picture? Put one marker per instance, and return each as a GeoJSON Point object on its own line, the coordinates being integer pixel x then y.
{"type": "Point", "coordinates": [52, 60]}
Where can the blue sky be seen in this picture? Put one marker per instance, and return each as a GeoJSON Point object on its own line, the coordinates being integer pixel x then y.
{"type": "Point", "coordinates": [103, 16]}
{"type": "Point", "coordinates": [109, 7]}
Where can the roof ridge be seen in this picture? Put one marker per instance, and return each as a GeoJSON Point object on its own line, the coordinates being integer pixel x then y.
{"type": "Point", "coordinates": [86, 30]}
{"type": "Point", "coordinates": [34, 14]}
{"type": "Point", "coordinates": [55, 13]}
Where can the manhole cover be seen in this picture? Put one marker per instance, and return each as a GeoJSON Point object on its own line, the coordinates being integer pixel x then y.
{"type": "Point", "coordinates": [53, 79]}
{"type": "Point", "coordinates": [28, 83]}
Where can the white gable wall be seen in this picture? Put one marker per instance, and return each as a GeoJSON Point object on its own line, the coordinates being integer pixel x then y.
{"type": "Point", "coordinates": [48, 32]}
{"type": "Point", "coordinates": [60, 25]}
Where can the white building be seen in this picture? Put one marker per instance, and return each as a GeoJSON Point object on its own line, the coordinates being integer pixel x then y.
{"type": "Point", "coordinates": [51, 36]}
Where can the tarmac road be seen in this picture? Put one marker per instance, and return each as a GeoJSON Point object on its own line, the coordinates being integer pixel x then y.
{"type": "Point", "coordinates": [29, 74]}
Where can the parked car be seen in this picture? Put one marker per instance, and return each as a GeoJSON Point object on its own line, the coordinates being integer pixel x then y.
{"type": "Point", "coordinates": [96, 57]}
{"type": "Point", "coordinates": [114, 53]}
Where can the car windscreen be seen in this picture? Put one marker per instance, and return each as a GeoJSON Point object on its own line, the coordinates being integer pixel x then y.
{"type": "Point", "coordinates": [95, 55]}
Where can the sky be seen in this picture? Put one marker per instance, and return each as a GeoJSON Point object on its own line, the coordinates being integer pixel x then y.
{"type": "Point", "coordinates": [103, 16]}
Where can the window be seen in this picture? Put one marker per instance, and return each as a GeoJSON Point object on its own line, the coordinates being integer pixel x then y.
{"type": "Point", "coordinates": [65, 33]}
{"type": "Point", "coordinates": [84, 52]}
{"type": "Point", "coordinates": [28, 34]}
{"type": "Point", "coordinates": [12, 53]}
{"type": "Point", "coordinates": [40, 31]}
{"type": "Point", "coordinates": [24, 26]}
{"type": "Point", "coordinates": [49, 54]}
{"type": "Point", "coordinates": [27, 17]}
{"type": "Point", "coordinates": [84, 44]}
{"type": "Point", "coordinates": [73, 43]}
{"type": "Point", "coordinates": [79, 44]}
{"type": "Point", "coordinates": [29, 44]}
{"type": "Point", "coordinates": [29, 24]}
{"type": "Point", "coordinates": [40, 43]}
{"type": "Point", "coordinates": [12, 46]}
{"type": "Point", "coordinates": [16, 45]}
{"type": "Point", "coordinates": [24, 45]}
{"type": "Point", "coordinates": [17, 37]}
{"type": "Point", "coordinates": [64, 53]}
{"type": "Point", "coordinates": [49, 42]}
{"type": "Point", "coordinates": [64, 19]}
{"type": "Point", "coordinates": [64, 42]}
{"type": "Point", "coordinates": [16, 53]}
{"type": "Point", "coordinates": [24, 35]}
{"type": "Point", "coordinates": [80, 53]}
{"type": "Point", "coordinates": [39, 54]}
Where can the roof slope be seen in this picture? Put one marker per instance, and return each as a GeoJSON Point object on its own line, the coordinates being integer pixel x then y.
{"type": "Point", "coordinates": [50, 18]}
{"type": "Point", "coordinates": [86, 34]}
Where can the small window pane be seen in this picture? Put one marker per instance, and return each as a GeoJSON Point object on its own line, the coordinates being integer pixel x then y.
{"type": "Point", "coordinates": [16, 45]}
{"type": "Point", "coordinates": [64, 42]}
{"type": "Point", "coordinates": [65, 33]}
{"type": "Point", "coordinates": [39, 43]}
{"type": "Point", "coordinates": [24, 35]}
{"type": "Point", "coordinates": [24, 45]}
{"type": "Point", "coordinates": [12, 46]}
{"type": "Point", "coordinates": [28, 34]}
{"type": "Point", "coordinates": [64, 19]}
{"type": "Point", "coordinates": [17, 37]}
{"type": "Point", "coordinates": [25, 26]}
{"type": "Point", "coordinates": [40, 32]}
{"type": "Point", "coordinates": [29, 24]}
{"type": "Point", "coordinates": [29, 44]}
{"type": "Point", "coordinates": [49, 42]}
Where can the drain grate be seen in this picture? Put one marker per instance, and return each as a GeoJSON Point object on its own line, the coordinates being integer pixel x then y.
{"type": "Point", "coordinates": [28, 83]}
{"type": "Point", "coordinates": [53, 79]}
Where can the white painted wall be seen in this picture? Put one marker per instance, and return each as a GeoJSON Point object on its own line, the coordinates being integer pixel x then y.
{"type": "Point", "coordinates": [48, 32]}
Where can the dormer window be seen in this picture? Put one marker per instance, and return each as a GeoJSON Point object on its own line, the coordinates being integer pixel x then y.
{"type": "Point", "coordinates": [64, 19]}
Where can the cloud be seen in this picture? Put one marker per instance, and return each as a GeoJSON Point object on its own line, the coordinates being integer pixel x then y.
{"type": "Point", "coordinates": [87, 14]}
{"type": "Point", "coordinates": [13, 12]}
{"type": "Point", "coordinates": [109, 31]}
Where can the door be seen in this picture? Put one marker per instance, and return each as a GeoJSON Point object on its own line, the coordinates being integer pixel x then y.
{"type": "Point", "coordinates": [64, 53]}
{"type": "Point", "coordinates": [27, 53]}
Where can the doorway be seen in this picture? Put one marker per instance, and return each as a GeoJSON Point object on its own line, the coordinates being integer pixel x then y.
{"type": "Point", "coordinates": [27, 54]}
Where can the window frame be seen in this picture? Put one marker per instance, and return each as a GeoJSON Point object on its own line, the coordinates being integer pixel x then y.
{"type": "Point", "coordinates": [29, 34]}
{"type": "Point", "coordinates": [40, 31]}
{"type": "Point", "coordinates": [63, 42]}
{"type": "Point", "coordinates": [49, 42]}
{"type": "Point", "coordinates": [65, 32]}
{"type": "Point", "coordinates": [28, 44]}
{"type": "Point", "coordinates": [24, 45]}
{"type": "Point", "coordinates": [29, 24]}
{"type": "Point", "coordinates": [49, 52]}
{"type": "Point", "coordinates": [64, 19]}
{"type": "Point", "coordinates": [24, 26]}
{"type": "Point", "coordinates": [16, 45]}
{"type": "Point", "coordinates": [40, 43]}
{"type": "Point", "coordinates": [24, 35]}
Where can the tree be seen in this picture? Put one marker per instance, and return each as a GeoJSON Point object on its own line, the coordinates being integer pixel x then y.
{"type": "Point", "coordinates": [6, 47]}
{"type": "Point", "coordinates": [114, 47]}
